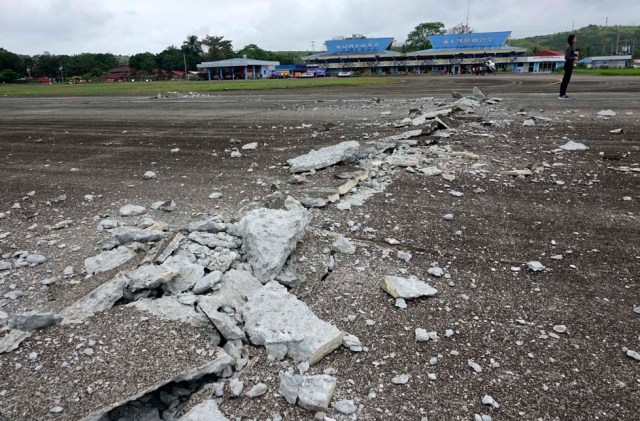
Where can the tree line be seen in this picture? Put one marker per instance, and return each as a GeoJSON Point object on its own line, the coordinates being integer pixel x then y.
{"type": "Point", "coordinates": [90, 66]}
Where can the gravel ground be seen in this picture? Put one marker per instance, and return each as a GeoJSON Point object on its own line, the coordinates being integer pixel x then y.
{"type": "Point", "coordinates": [581, 205]}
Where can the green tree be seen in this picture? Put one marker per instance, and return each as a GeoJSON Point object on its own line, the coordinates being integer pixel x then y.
{"type": "Point", "coordinates": [11, 61]}
{"type": "Point", "coordinates": [418, 39]}
{"type": "Point", "coordinates": [356, 36]}
{"type": "Point", "coordinates": [8, 76]}
{"type": "Point", "coordinates": [217, 48]}
{"type": "Point", "coordinates": [255, 52]}
{"type": "Point", "coordinates": [192, 50]}
{"type": "Point", "coordinates": [460, 28]}
{"type": "Point", "coordinates": [170, 59]}
{"type": "Point", "coordinates": [143, 63]}
{"type": "Point", "coordinates": [47, 65]}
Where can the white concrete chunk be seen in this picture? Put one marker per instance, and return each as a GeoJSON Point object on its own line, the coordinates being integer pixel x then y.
{"type": "Point", "coordinates": [108, 260]}
{"type": "Point", "coordinates": [324, 157]}
{"type": "Point", "coordinates": [407, 288]}
{"type": "Point", "coordinates": [275, 317]}
{"type": "Point", "coordinates": [270, 235]}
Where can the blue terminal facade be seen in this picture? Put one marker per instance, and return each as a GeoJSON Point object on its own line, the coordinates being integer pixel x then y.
{"type": "Point", "coordinates": [450, 54]}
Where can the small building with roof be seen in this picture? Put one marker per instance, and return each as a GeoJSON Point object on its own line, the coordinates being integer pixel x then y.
{"type": "Point", "coordinates": [542, 62]}
{"type": "Point", "coordinates": [237, 68]}
{"type": "Point", "coordinates": [612, 62]}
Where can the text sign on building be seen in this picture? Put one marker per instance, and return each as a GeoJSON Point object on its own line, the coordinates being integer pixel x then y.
{"type": "Point", "coordinates": [472, 40]}
{"type": "Point", "coordinates": [355, 46]}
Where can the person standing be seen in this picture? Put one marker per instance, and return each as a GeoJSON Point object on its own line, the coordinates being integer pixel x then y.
{"type": "Point", "coordinates": [569, 58]}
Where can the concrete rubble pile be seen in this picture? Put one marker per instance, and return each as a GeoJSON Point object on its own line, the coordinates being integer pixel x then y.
{"type": "Point", "coordinates": [232, 278]}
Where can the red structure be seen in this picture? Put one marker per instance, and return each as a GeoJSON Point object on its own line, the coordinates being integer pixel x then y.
{"type": "Point", "coordinates": [117, 74]}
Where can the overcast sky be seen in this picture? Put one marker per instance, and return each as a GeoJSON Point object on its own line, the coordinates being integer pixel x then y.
{"type": "Point", "coordinates": [132, 26]}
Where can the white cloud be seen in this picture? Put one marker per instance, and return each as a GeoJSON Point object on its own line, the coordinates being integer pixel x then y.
{"type": "Point", "coordinates": [129, 27]}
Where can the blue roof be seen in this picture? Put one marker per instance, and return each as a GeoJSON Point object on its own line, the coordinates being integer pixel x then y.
{"type": "Point", "coordinates": [358, 46]}
{"type": "Point", "coordinates": [479, 40]}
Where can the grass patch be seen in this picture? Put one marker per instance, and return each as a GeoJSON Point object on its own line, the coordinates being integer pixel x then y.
{"type": "Point", "coordinates": [605, 72]}
{"type": "Point", "coordinates": [153, 88]}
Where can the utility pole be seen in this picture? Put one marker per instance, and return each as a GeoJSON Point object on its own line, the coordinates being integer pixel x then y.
{"type": "Point", "coordinates": [184, 57]}
{"type": "Point", "coordinates": [466, 29]}
{"type": "Point", "coordinates": [313, 46]}
{"type": "Point", "coordinates": [618, 44]}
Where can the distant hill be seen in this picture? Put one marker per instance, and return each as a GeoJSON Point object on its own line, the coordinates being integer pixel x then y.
{"type": "Point", "coordinates": [593, 40]}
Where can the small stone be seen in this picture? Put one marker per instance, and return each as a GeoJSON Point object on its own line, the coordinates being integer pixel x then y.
{"type": "Point", "coordinates": [56, 409]}
{"type": "Point", "coordinates": [432, 376]}
{"type": "Point", "coordinates": [435, 271]}
{"type": "Point", "coordinates": [257, 390]}
{"type": "Point", "coordinates": [236, 154]}
{"type": "Point", "coordinates": [433, 361]}
{"type": "Point", "coordinates": [488, 400]}
{"type": "Point", "coordinates": [215, 195]}
{"type": "Point", "coordinates": [132, 210]}
{"type": "Point", "coordinates": [560, 328]}
{"type": "Point", "coordinates": [448, 217]}
{"type": "Point", "coordinates": [343, 245]}
{"type": "Point", "coordinates": [633, 354]}
{"type": "Point", "coordinates": [574, 146]}
{"type": "Point", "coordinates": [35, 259]}
{"type": "Point", "coordinates": [400, 379]}
{"type": "Point", "coordinates": [475, 366]}
{"type": "Point", "coordinates": [250, 146]}
{"type": "Point", "coordinates": [456, 193]}
{"type": "Point", "coordinates": [636, 309]}
{"type": "Point", "coordinates": [346, 407]}
{"type": "Point", "coordinates": [535, 266]}
{"type": "Point", "coordinates": [449, 333]}
{"type": "Point", "coordinates": [423, 336]}
{"type": "Point", "coordinates": [236, 386]}
{"type": "Point", "coordinates": [149, 175]}
{"type": "Point", "coordinates": [401, 303]}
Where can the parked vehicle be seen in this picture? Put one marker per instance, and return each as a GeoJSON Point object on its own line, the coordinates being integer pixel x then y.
{"type": "Point", "coordinates": [345, 74]}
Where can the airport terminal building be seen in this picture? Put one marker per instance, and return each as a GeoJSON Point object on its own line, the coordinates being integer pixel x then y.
{"type": "Point", "coordinates": [450, 54]}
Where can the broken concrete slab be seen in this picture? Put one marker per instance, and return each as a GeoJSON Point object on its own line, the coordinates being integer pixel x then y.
{"type": "Point", "coordinates": [429, 115]}
{"type": "Point", "coordinates": [108, 260]}
{"type": "Point", "coordinates": [172, 307]}
{"type": "Point", "coordinates": [221, 361]}
{"type": "Point", "coordinates": [126, 235]}
{"type": "Point", "coordinates": [235, 286]}
{"type": "Point", "coordinates": [33, 320]}
{"type": "Point", "coordinates": [225, 324]}
{"type": "Point", "coordinates": [313, 393]}
{"type": "Point", "coordinates": [100, 299]}
{"type": "Point", "coordinates": [167, 250]}
{"type": "Point", "coordinates": [215, 240]}
{"type": "Point", "coordinates": [270, 235]}
{"type": "Point", "coordinates": [13, 340]}
{"type": "Point", "coordinates": [324, 157]}
{"type": "Point", "coordinates": [149, 277]}
{"type": "Point", "coordinates": [212, 224]}
{"type": "Point", "coordinates": [407, 288]}
{"type": "Point", "coordinates": [208, 282]}
{"type": "Point", "coordinates": [275, 318]}
{"type": "Point", "coordinates": [188, 274]}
